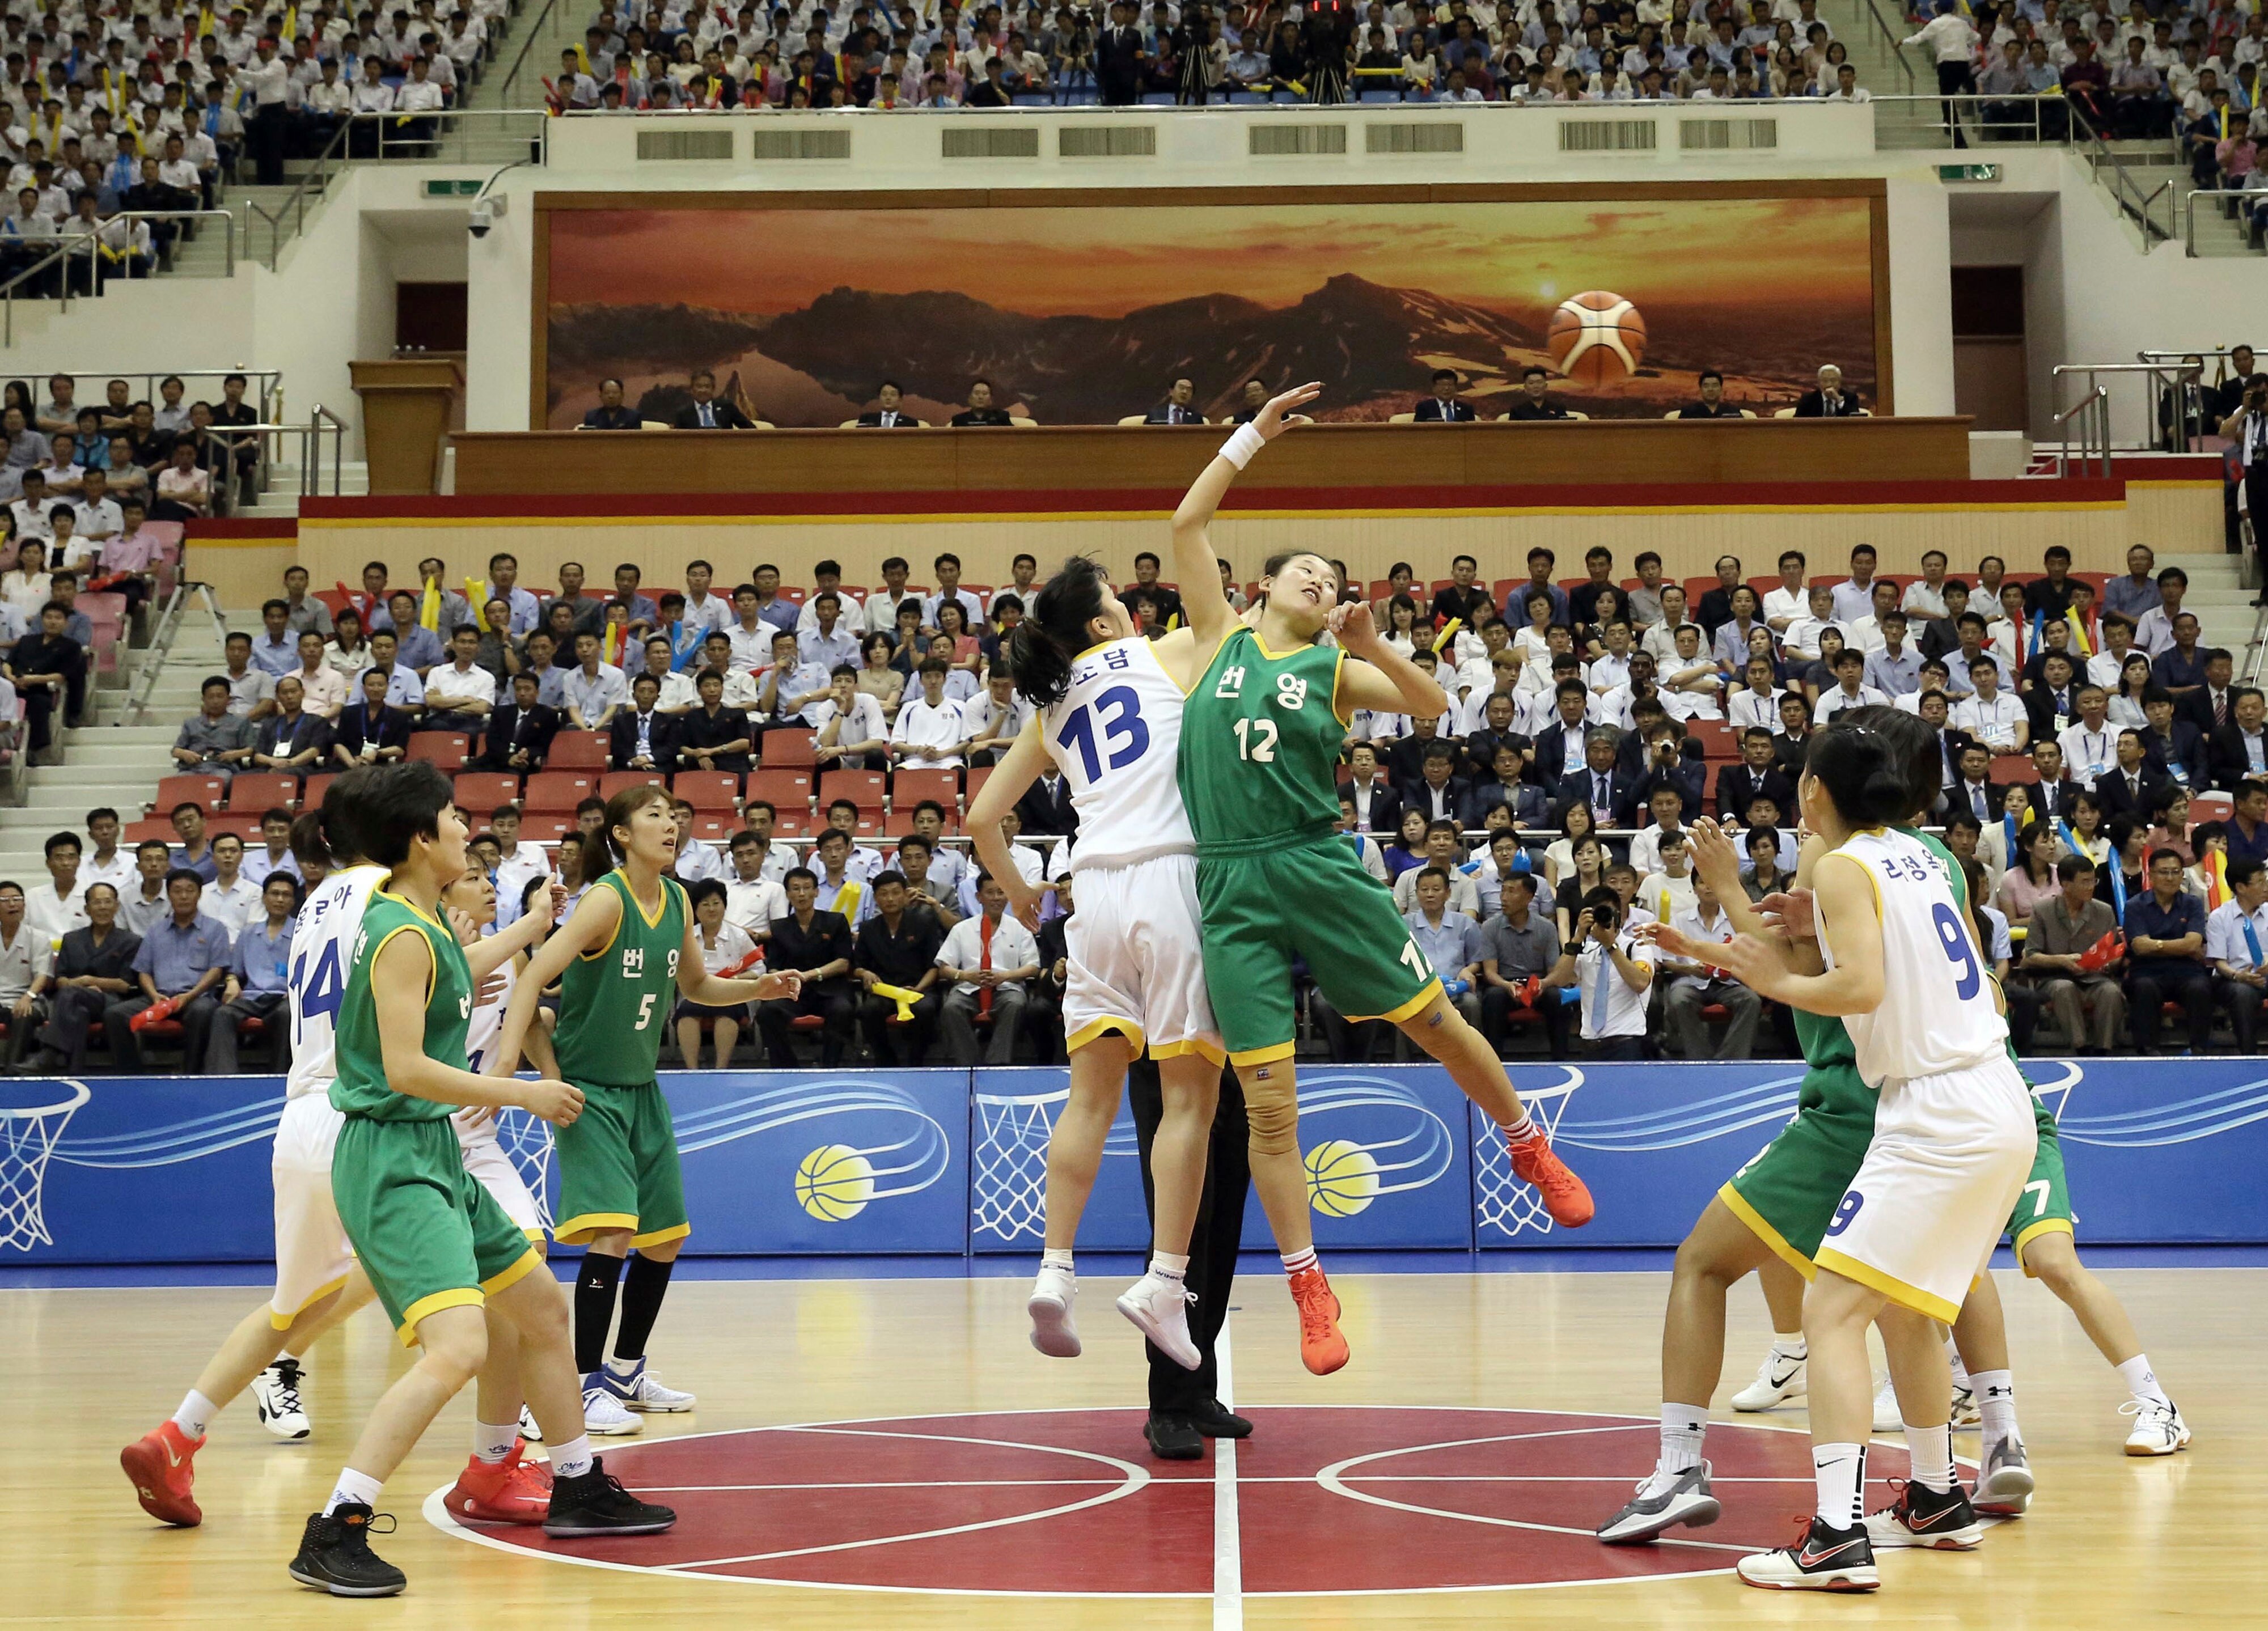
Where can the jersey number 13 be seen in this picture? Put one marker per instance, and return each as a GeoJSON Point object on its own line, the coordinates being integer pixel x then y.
{"type": "Point", "coordinates": [1115, 718]}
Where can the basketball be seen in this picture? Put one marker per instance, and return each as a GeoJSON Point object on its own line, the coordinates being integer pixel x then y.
{"type": "Point", "coordinates": [833, 1183]}
{"type": "Point", "coordinates": [1597, 338]}
{"type": "Point", "coordinates": [1342, 1179]}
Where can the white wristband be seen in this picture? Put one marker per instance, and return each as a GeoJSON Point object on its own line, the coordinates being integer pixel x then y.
{"type": "Point", "coordinates": [1240, 448]}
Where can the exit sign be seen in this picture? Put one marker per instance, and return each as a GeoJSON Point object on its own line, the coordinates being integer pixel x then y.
{"type": "Point", "coordinates": [453, 189]}
{"type": "Point", "coordinates": [1944, 173]}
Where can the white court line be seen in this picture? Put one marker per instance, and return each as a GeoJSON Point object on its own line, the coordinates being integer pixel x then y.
{"type": "Point", "coordinates": [1228, 1541]}
{"type": "Point", "coordinates": [1242, 1479]}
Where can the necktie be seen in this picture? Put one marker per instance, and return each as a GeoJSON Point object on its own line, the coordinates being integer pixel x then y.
{"type": "Point", "coordinates": [1977, 797]}
{"type": "Point", "coordinates": [1599, 793]}
{"type": "Point", "coordinates": [708, 418]}
{"type": "Point", "coordinates": [2252, 941]}
{"type": "Point", "coordinates": [984, 928]}
{"type": "Point", "coordinates": [1599, 993]}
{"type": "Point", "coordinates": [2221, 708]}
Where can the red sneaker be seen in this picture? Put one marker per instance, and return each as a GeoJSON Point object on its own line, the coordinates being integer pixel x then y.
{"type": "Point", "coordinates": [1322, 1346]}
{"type": "Point", "coordinates": [157, 1465]}
{"type": "Point", "coordinates": [512, 1491]}
{"type": "Point", "coordinates": [1566, 1197]}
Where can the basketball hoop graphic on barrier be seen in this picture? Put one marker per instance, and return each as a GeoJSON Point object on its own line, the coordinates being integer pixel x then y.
{"type": "Point", "coordinates": [29, 1135]}
{"type": "Point", "coordinates": [1008, 1161]}
{"type": "Point", "coordinates": [526, 1141]}
{"type": "Point", "coordinates": [1500, 1200]}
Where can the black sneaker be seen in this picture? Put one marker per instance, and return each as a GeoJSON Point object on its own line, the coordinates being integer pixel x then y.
{"type": "Point", "coordinates": [1942, 1519]}
{"type": "Point", "coordinates": [1174, 1437]}
{"type": "Point", "coordinates": [597, 1504]}
{"type": "Point", "coordinates": [1823, 1560]}
{"type": "Point", "coordinates": [335, 1555]}
{"type": "Point", "coordinates": [1217, 1421]}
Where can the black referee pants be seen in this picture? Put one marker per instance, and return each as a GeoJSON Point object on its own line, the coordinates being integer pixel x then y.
{"type": "Point", "coordinates": [1213, 1243]}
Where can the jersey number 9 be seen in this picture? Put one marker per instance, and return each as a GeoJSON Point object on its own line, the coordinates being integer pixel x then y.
{"type": "Point", "coordinates": [1958, 949]}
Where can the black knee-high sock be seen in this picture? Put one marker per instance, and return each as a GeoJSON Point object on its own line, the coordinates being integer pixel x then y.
{"type": "Point", "coordinates": [643, 1290]}
{"type": "Point", "coordinates": [594, 1308]}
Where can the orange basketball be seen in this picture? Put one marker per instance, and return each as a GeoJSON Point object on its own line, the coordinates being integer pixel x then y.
{"type": "Point", "coordinates": [1597, 338]}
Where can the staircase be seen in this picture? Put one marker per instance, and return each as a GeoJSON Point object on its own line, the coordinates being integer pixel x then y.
{"type": "Point", "coordinates": [282, 498]}
{"type": "Point", "coordinates": [2221, 598]}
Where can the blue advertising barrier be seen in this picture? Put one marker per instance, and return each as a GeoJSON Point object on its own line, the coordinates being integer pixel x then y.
{"type": "Point", "coordinates": [174, 1169]}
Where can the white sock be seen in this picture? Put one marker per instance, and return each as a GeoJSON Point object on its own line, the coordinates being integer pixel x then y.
{"type": "Point", "coordinates": [1683, 1427]}
{"type": "Point", "coordinates": [196, 1414]}
{"type": "Point", "coordinates": [1789, 1345]}
{"type": "Point", "coordinates": [1299, 1263]}
{"type": "Point", "coordinates": [1961, 1376]}
{"type": "Point", "coordinates": [1841, 1470]}
{"type": "Point", "coordinates": [1996, 1402]}
{"type": "Point", "coordinates": [1052, 1259]}
{"type": "Point", "coordinates": [620, 1369]}
{"type": "Point", "coordinates": [491, 1443]}
{"type": "Point", "coordinates": [1520, 1131]}
{"type": "Point", "coordinates": [1931, 1450]}
{"type": "Point", "coordinates": [1165, 1265]}
{"type": "Point", "coordinates": [572, 1458]}
{"type": "Point", "coordinates": [2140, 1380]}
{"type": "Point", "coordinates": [352, 1485]}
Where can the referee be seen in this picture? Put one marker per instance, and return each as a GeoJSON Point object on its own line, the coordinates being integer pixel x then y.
{"type": "Point", "coordinates": [2247, 429]}
{"type": "Point", "coordinates": [1185, 1408]}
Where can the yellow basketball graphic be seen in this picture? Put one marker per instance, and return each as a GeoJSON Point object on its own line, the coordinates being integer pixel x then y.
{"type": "Point", "coordinates": [833, 1183]}
{"type": "Point", "coordinates": [1342, 1177]}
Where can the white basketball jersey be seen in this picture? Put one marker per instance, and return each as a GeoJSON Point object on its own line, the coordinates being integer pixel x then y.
{"type": "Point", "coordinates": [478, 1125]}
{"type": "Point", "coordinates": [1937, 1013]}
{"type": "Point", "coordinates": [1116, 737]}
{"type": "Point", "coordinates": [322, 955]}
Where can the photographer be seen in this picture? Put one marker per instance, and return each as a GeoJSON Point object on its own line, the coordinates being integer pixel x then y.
{"type": "Point", "coordinates": [1613, 972]}
{"type": "Point", "coordinates": [1329, 35]}
{"type": "Point", "coordinates": [2248, 428]}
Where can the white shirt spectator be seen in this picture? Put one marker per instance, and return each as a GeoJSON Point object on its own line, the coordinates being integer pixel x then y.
{"type": "Point", "coordinates": [23, 959]}
{"type": "Point", "coordinates": [863, 723]}
{"type": "Point", "coordinates": [1803, 634]}
{"type": "Point", "coordinates": [1611, 1007]}
{"type": "Point", "coordinates": [753, 906]}
{"type": "Point", "coordinates": [513, 873]}
{"type": "Point", "coordinates": [921, 725]}
{"type": "Point", "coordinates": [52, 915]}
{"type": "Point", "coordinates": [1012, 947]}
{"type": "Point", "coordinates": [1783, 606]}
{"type": "Point", "coordinates": [448, 685]}
{"type": "Point", "coordinates": [1029, 866]}
{"type": "Point", "coordinates": [2224, 935]}
{"type": "Point", "coordinates": [2089, 753]}
{"type": "Point", "coordinates": [249, 689]}
{"type": "Point", "coordinates": [1993, 722]}
{"type": "Point", "coordinates": [1920, 601]}
{"type": "Point", "coordinates": [234, 906]}
{"type": "Point", "coordinates": [1834, 699]}
{"type": "Point", "coordinates": [96, 520]}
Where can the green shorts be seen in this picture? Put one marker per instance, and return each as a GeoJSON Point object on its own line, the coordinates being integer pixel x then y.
{"type": "Point", "coordinates": [1788, 1194]}
{"type": "Point", "coordinates": [2044, 1206]}
{"type": "Point", "coordinates": [425, 1231]}
{"type": "Point", "coordinates": [1310, 899]}
{"type": "Point", "coordinates": [618, 1168]}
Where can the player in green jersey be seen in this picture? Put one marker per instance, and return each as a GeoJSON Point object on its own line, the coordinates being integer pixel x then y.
{"type": "Point", "coordinates": [450, 1268]}
{"type": "Point", "coordinates": [1261, 739]}
{"type": "Point", "coordinates": [628, 950]}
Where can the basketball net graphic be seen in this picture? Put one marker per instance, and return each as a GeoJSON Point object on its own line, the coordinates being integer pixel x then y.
{"type": "Point", "coordinates": [27, 1139]}
{"type": "Point", "coordinates": [1008, 1162]}
{"type": "Point", "coordinates": [526, 1141]}
{"type": "Point", "coordinates": [1501, 1201]}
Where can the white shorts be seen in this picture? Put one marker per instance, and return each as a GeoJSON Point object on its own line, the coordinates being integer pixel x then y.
{"type": "Point", "coordinates": [486, 1161]}
{"type": "Point", "coordinates": [1949, 1157]}
{"type": "Point", "coordinates": [312, 1258]}
{"type": "Point", "coordinates": [1136, 963]}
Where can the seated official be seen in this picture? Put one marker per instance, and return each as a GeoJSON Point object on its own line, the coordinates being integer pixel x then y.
{"type": "Point", "coordinates": [1442, 407]}
{"type": "Point", "coordinates": [610, 413]}
{"type": "Point", "coordinates": [519, 734]}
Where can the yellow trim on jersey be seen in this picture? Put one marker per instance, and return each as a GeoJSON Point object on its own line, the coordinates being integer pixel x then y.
{"type": "Point", "coordinates": [417, 910]}
{"type": "Point", "coordinates": [1281, 657]}
{"type": "Point", "coordinates": [1738, 1206]}
{"type": "Point", "coordinates": [1092, 649]}
{"type": "Point", "coordinates": [432, 964]}
{"type": "Point", "coordinates": [1095, 1029]}
{"type": "Point", "coordinates": [2032, 1231]}
{"type": "Point", "coordinates": [529, 1262]}
{"type": "Point", "coordinates": [654, 918]}
{"type": "Point", "coordinates": [616, 932]}
{"type": "Point", "coordinates": [580, 1229]}
{"type": "Point", "coordinates": [283, 1322]}
{"type": "Point", "coordinates": [462, 1297]}
{"type": "Point", "coordinates": [1212, 1051]}
{"type": "Point", "coordinates": [1414, 1006]}
{"type": "Point", "coordinates": [1345, 717]}
{"type": "Point", "coordinates": [1873, 882]}
{"type": "Point", "coordinates": [1205, 667]}
{"type": "Point", "coordinates": [1267, 1055]}
{"type": "Point", "coordinates": [535, 1236]}
{"type": "Point", "coordinates": [676, 1231]}
{"type": "Point", "coordinates": [1889, 1285]}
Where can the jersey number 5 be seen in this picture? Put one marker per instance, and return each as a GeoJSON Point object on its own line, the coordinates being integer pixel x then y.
{"type": "Point", "coordinates": [645, 1012]}
{"type": "Point", "coordinates": [1119, 710]}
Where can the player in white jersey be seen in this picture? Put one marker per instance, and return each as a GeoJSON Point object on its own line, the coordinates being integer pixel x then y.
{"type": "Point", "coordinates": [1953, 1140]}
{"type": "Point", "coordinates": [1109, 719]}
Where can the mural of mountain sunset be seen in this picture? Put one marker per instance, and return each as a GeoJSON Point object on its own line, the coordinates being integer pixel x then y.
{"type": "Point", "coordinates": [1366, 343]}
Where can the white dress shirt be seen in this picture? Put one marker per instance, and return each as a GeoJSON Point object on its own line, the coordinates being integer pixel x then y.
{"type": "Point", "coordinates": [1014, 946]}
{"type": "Point", "coordinates": [1623, 1011]}
{"type": "Point", "coordinates": [1993, 722]}
{"type": "Point", "coordinates": [921, 725]}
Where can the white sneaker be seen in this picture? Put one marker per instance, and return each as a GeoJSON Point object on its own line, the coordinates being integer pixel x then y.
{"type": "Point", "coordinates": [638, 1391]}
{"type": "Point", "coordinates": [276, 1395]}
{"type": "Point", "coordinates": [1663, 1501]}
{"type": "Point", "coordinates": [1887, 1417]}
{"type": "Point", "coordinates": [2004, 1480]}
{"type": "Point", "coordinates": [1778, 1379]}
{"type": "Point", "coordinates": [1160, 1308]}
{"type": "Point", "coordinates": [2159, 1430]}
{"type": "Point", "coordinates": [1966, 1415]}
{"type": "Point", "coordinates": [1054, 1294]}
{"type": "Point", "coordinates": [604, 1417]}
{"type": "Point", "coordinates": [528, 1429]}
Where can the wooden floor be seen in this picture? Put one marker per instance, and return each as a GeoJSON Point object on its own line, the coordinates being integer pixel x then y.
{"type": "Point", "coordinates": [2110, 1542]}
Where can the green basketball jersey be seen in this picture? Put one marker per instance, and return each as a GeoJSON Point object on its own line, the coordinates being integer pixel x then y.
{"type": "Point", "coordinates": [359, 1087]}
{"type": "Point", "coordinates": [1261, 735]}
{"type": "Point", "coordinates": [614, 1003]}
{"type": "Point", "coordinates": [1826, 1041]}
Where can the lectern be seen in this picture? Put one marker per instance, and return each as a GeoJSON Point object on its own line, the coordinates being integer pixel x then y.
{"type": "Point", "coordinates": [406, 407]}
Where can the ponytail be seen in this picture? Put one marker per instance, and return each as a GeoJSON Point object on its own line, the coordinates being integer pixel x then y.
{"type": "Point", "coordinates": [1041, 647]}
{"type": "Point", "coordinates": [326, 836]}
{"type": "Point", "coordinates": [1864, 775]}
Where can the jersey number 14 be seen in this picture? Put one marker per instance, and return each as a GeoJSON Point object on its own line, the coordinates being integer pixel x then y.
{"type": "Point", "coordinates": [321, 992]}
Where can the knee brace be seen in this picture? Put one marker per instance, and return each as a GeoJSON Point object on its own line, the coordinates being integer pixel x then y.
{"type": "Point", "coordinates": [1272, 1108]}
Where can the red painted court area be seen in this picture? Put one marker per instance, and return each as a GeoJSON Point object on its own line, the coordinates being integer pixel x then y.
{"type": "Point", "coordinates": [1053, 1502]}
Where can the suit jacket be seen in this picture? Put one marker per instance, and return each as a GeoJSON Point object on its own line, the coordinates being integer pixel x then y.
{"type": "Point", "coordinates": [873, 421]}
{"type": "Point", "coordinates": [728, 417]}
{"type": "Point", "coordinates": [1577, 788]}
{"type": "Point", "coordinates": [623, 418]}
{"type": "Point", "coordinates": [2197, 707]}
{"type": "Point", "coordinates": [287, 739]}
{"type": "Point", "coordinates": [1788, 754]}
{"type": "Point", "coordinates": [1737, 785]}
{"type": "Point", "coordinates": [1163, 414]}
{"type": "Point", "coordinates": [2225, 754]}
{"type": "Point", "coordinates": [1404, 762]}
{"type": "Point", "coordinates": [1714, 611]}
{"type": "Point", "coordinates": [356, 730]}
{"type": "Point", "coordinates": [2058, 794]}
{"type": "Point", "coordinates": [1385, 805]}
{"type": "Point", "coordinates": [1551, 756]}
{"type": "Point", "coordinates": [1051, 814]}
{"type": "Point", "coordinates": [622, 742]}
{"type": "Point", "coordinates": [1480, 752]}
{"type": "Point", "coordinates": [2186, 750]}
{"type": "Point", "coordinates": [1417, 796]}
{"type": "Point", "coordinates": [1528, 806]}
{"type": "Point", "coordinates": [1432, 411]}
{"type": "Point", "coordinates": [1813, 405]}
{"type": "Point", "coordinates": [2118, 799]}
{"type": "Point", "coordinates": [1688, 777]}
{"type": "Point", "coordinates": [2040, 712]}
{"type": "Point", "coordinates": [510, 726]}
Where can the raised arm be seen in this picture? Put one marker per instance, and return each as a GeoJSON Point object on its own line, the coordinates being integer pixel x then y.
{"type": "Point", "coordinates": [1375, 675]}
{"type": "Point", "coordinates": [1211, 616]}
{"type": "Point", "coordinates": [1846, 900]}
{"type": "Point", "coordinates": [491, 952]}
{"type": "Point", "coordinates": [698, 985]}
{"type": "Point", "coordinates": [1016, 772]}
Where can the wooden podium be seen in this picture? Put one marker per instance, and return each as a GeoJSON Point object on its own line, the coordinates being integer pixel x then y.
{"type": "Point", "coordinates": [406, 403]}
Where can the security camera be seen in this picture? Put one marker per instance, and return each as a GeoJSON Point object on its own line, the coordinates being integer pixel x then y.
{"type": "Point", "coordinates": [486, 211]}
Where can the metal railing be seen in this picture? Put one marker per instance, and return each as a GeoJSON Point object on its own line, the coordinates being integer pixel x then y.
{"type": "Point", "coordinates": [1892, 41]}
{"type": "Point", "coordinates": [2091, 415]}
{"type": "Point", "coordinates": [532, 88]}
{"type": "Point", "coordinates": [320, 423]}
{"type": "Point", "coordinates": [74, 249]}
{"type": "Point", "coordinates": [2223, 193]}
{"type": "Point", "coordinates": [263, 386]}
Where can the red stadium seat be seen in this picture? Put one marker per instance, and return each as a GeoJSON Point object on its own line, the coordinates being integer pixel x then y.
{"type": "Point", "coordinates": [787, 749]}
{"type": "Point", "coordinates": [444, 748]}
{"type": "Point", "coordinates": [143, 831]}
{"type": "Point", "coordinates": [2212, 807]}
{"type": "Point", "coordinates": [708, 791]}
{"type": "Point", "coordinates": [208, 790]}
{"type": "Point", "coordinates": [2008, 768]}
{"type": "Point", "coordinates": [558, 790]}
{"type": "Point", "coordinates": [482, 791]}
{"type": "Point", "coordinates": [978, 775]}
{"type": "Point", "coordinates": [256, 793]}
{"type": "Point", "coordinates": [1716, 737]}
{"type": "Point", "coordinates": [712, 827]}
{"type": "Point", "coordinates": [311, 796]}
{"type": "Point", "coordinates": [785, 790]}
{"type": "Point", "coordinates": [621, 781]}
{"type": "Point", "coordinates": [545, 827]}
{"type": "Point", "coordinates": [863, 787]}
{"type": "Point", "coordinates": [578, 750]}
{"type": "Point", "coordinates": [243, 823]}
{"type": "Point", "coordinates": [795, 823]}
{"type": "Point", "coordinates": [908, 788]}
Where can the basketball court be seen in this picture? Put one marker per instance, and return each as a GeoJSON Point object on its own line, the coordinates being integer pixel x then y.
{"type": "Point", "coordinates": [891, 1452]}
